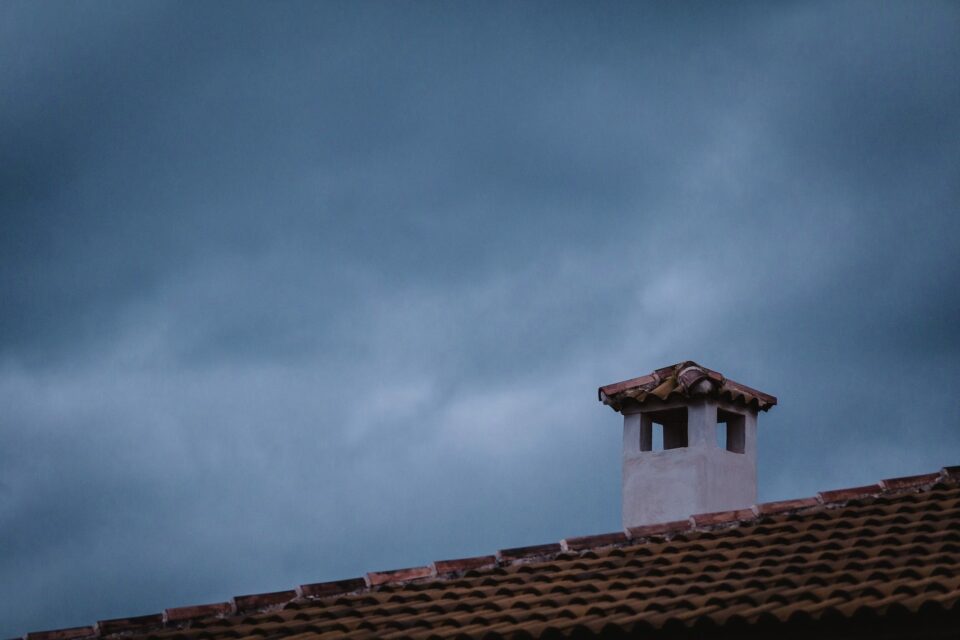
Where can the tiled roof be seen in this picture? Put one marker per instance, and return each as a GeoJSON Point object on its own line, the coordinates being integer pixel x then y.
{"type": "Point", "coordinates": [875, 559]}
{"type": "Point", "coordinates": [682, 380]}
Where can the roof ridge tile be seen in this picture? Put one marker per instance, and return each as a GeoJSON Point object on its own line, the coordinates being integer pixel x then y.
{"type": "Point", "coordinates": [192, 612]}
{"type": "Point", "coordinates": [716, 518]}
{"type": "Point", "coordinates": [116, 625]}
{"type": "Point", "coordinates": [528, 552]}
{"type": "Point", "coordinates": [255, 601]}
{"type": "Point", "coordinates": [851, 493]}
{"type": "Point", "coordinates": [398, 576]}
{"type": "Point", "coordinates": [68, 633]}
{"type": "Point", "coordinates": [330, 588]}
{"type": "Point", "coordinates": [580, 543]}
{"type": "Point", "coordinates": [461, 565]}
{"type": "Point", "coordinates": [910, 482]}
{"type": "Point", "coordinates": [660, 530]}
{"type": "Point", "coordinates": [950, 473]}
{"type": "Point", "coordinates": [782, 506]}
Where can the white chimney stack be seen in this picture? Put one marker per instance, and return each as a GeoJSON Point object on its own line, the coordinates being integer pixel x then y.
{"type": "Point", "coordinates": [689, 443]}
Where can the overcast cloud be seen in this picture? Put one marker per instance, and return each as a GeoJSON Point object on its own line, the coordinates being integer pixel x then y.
{"type": "Point", "coordinates": [292, 292]}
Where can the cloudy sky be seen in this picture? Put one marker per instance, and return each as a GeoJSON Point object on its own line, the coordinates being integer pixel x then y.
{"type": "Point", "coordinates": [292, 292]}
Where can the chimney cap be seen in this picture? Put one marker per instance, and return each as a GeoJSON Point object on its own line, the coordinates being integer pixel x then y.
{"type": "Point", "coordinates": [682, 380]}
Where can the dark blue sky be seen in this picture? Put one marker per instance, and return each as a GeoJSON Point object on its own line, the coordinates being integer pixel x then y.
{"type": "Point", "coordinates": [291, 292]}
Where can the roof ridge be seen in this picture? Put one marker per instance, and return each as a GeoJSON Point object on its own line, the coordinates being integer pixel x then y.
{"type": "Point", "coordinates": [179, 617]}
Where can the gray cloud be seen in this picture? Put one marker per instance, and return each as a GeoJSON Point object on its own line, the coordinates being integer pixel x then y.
{"type": "Point", "coordinates": [294, 292]}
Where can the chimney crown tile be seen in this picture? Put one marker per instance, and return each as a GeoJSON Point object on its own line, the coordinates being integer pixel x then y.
{"type": "Point", "coordinates": [683, 380]}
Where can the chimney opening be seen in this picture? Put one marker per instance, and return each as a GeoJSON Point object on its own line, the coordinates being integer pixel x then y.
{"type": "Point", "coordinates": [665, 429]}
{"type": "Point", "coordinates": [731, 431]}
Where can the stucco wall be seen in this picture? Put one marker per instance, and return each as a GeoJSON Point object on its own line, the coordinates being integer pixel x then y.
{"type": "Point", "coordinates": [660, 486]}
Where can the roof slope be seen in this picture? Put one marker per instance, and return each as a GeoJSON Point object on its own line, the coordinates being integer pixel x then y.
{"type": "Point", "coordinates": [854, 561]}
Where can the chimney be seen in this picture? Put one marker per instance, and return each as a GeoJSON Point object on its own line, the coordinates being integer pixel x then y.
{"type": "Point", "coordinates": [689, 443]}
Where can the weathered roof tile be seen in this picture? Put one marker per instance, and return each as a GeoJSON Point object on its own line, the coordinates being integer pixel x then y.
{"type": "Point", "coordinates": [331, 588]}
{"type": "Point", "coordinates": [780, 506]}
{"type": "Point", "coordinates": [906, 482]}
{"type": "Point", "coordinates": [722, 517]}
{"type": "Point", "coordinates": [589, 542]}
{"type": "Point", "coordinates": [182, 614]}
{"type": "Point", "coordinates": [683, 380]}
{"type": "Point", "coordinates": [661, 529]}
{"type": "Point", "coordinates": [532, 551]}
{"type": "Point", "coordinates": [73, 633]}
{"type": "Point", "coordinates": [398, 575]}
{"type": "Point", "coordinates": [853, 493]}
{"type": "Point", "coordinates": [263, 600]}
{"type": "Point", "coordinates": [118, 625]}
{"type": "Point", "coordinates": [442, 567]}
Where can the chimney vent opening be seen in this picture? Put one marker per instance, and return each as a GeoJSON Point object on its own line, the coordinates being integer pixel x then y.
{"type": "Point", "coordinates": [731, 431]}
{"type": "Point", "coordinates": [666, 429]}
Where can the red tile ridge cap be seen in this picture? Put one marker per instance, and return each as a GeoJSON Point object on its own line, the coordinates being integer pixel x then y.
{"type": "Point", "coordinates": [331, 588]}
{"type": "Point", "coordinates": [851, 493]}
{"type": "Point", "coordinates": [462, 565]}
{"type": "Point", "coordinates": [704, 520]}
{"type": "Point", "coordinates": [62, 634]}
{"type": "Point", "coordinates": [398, 576]}
{"type": "Point", "coordinates": [663, 529]}
{"type": "Point", "coordinates": [593, 541]}
{"type": "Point", "coordinates": [910, 482]}
{"type": "Point", "coordinates": [258, 601]}
{"type": "Point", "coordinates": [193, 612]}
{"type": "Point", "coordinates": [519, 554]}
{"type": "Point", "coordinates": [784, 506]}
{"type": "Point", "coordinates": [445, 568]}
{"type": "Point", "coordinates": [133, 623]}
{"type": "Point", "coordinates": [950, 474]}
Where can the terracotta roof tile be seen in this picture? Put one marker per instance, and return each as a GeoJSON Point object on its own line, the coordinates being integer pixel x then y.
{"type": "Point", "coordinates": [182, 614]}
{"type": "Point", "coordinates": [332, 588]}
{"type": "Point", "coordinates": [589, 542]}
{"type": "Point", "coordinates": [117, 625]}
{"type": "Point", "coordinates": [893, 484]}
{"type": "Point", "coordinates": [683, 380]}
{"type": "Point", "coordinates": [781, 506]}
{"type": "Point", "coordinates": [662, 529]}
{"type": "Point", "coordinates": [398, 575]}
{"type": "Point", "coordinates": [951, 473]}
{"type": "Point", "coordinates": [442, 567]}
{"type": "Point", "coordinates": [62, 634]}
{"type": "Point", "coordinates": [839, 561]}
{"type": "Point", "coordinates": [262, 600]}
{"type": "Point", "coordinates": [533, 551]}
{"type": "Point", "coordinates": [722, 517]}
{"type": "Point", "coordinates": [853, 493]}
